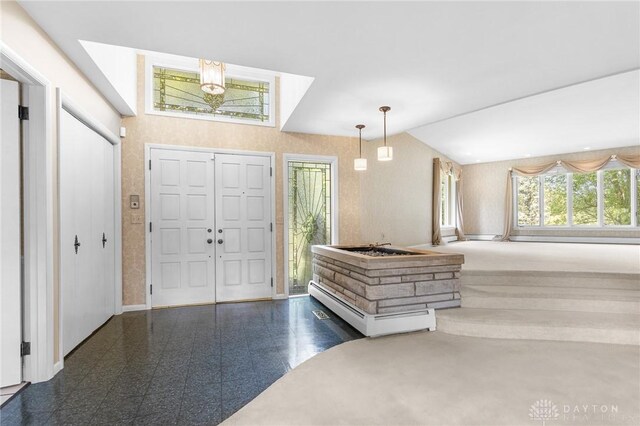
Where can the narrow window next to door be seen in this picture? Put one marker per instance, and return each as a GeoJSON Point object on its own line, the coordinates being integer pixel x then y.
{"type": "Point", "coordinates": [309, 218]}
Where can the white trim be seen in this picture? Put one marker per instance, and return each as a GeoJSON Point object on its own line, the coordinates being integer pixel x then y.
{"type": "Point", "coordinates": [449, 238]}
{"type": "Point", "coordinates": [374, 325]}
{"type": "Point", "coordinates": [134, 308]}
{"type": "Point", "coordinates": [73, 109]}
{"type": "Point", "coordinates": [634, 190]}
{"type": "Point", "coordinates": [280, 297]}
{"type": "Point", "coordinates": [335, 234]}
{"type": "Point", "coordinates": [117, 229]}
{"type": "Point", "coordinates": [38, 323]}
{"type": "Point", "coordinates": [191, 65]}
{"type": "Point", "coordinates": [480, 237]}
{"type": "Point", "coordinates": [147, 204]}
{"type": "Point", "coordinates": [60, 299]}
{"type": "Point", "coordinates": [57, 367]}
{"type": "Point", "coordinates": [147, 218]}
{"type": "Point", "coordinates": [565, 239]}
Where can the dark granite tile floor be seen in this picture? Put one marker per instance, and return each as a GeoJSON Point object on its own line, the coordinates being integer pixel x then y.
{"type": "Point", "coordinates": [190, 365]}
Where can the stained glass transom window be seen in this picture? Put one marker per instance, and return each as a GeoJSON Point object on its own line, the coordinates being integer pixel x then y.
{"type": "Point", "coordinates": [179, 91]}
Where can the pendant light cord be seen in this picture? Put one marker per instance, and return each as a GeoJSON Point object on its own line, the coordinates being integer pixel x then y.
{"type": "Point", "coordinates": [385, 127]}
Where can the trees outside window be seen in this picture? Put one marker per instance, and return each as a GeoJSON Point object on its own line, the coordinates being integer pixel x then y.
{"type": "Point", "coordinates": [617, 197]}
{"type": "Point", "coordinates": [528, 201]}
{"type": "Point", "coordinates": [608, 197]}
{"type": "Point", "coordinates": [555, 200]}
{"type": "Point", "coordinates": [585, 199]}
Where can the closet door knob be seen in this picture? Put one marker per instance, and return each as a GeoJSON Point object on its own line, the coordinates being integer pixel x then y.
{"type": "Point", "coordinates": [209, 241]}
{"type": "Point", "coordinates": [104, 240]}
{"type": "Point", "coordinates": [76, 244]}
{"type": "Point", "coordinates": [220, 241]}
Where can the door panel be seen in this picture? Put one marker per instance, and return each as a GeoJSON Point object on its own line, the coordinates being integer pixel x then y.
{"type": "Point", "coordinates": [10, 223]}
{"type": "Point", "coordinates": [243, 253]}
{"type": "Point", "coordinates": [182, 213]}
{"type": "Point", "coordinates": [86, 212]}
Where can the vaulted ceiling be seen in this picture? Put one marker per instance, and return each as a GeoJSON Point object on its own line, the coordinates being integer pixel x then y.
{"type": "Point", "coordinates": [430, 61]}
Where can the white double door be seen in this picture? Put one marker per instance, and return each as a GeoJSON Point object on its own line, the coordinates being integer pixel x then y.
{"type": "Point", "coordinates": [87, 255]}
{"type": "Point", "coordinates": [210, 227]}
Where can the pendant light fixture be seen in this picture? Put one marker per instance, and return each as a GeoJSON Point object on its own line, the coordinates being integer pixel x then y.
{"type": "Point", "coordinates": [212, 77]}
{"type": "Point", "coordinates": [360, 163]}
{"type": "Point", "coordinates": [385, 153]}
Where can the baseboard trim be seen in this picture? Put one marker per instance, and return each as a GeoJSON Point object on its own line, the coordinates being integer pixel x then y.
{"type": "Point", "coordinates": [133, 308]}
{"type": "Point", "coordinates": [587, 240]}
{"type": "Point", "coordinates": [57, 367]}
{"type": "Point", "coordinates": [280, 297]}
{"type": "Point", "coordinates": [480, 237]}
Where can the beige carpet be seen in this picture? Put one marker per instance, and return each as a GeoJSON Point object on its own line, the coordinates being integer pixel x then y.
{"type": "Point", "coordinates": [493, 255]}
{"type": "Point", "coordinates": [432, 378]}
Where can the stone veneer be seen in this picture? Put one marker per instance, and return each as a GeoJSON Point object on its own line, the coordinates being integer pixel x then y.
{"type": "Point", "coordinates": [380, 285]}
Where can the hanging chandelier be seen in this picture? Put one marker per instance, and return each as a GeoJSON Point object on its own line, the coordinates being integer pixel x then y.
{"type": "Point", "coordinates": [385, 153]}
{"type": "Point", "coordinates": [212, 77]}
{"type": "Point", "coordinates": [360, 163]}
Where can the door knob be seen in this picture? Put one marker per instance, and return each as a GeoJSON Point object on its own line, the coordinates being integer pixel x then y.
{"type": "Point", "coordinates": [220, 241]}
{"type": "Point", "coordinates": [76, 244]}
{"type": "Point", "coordinates": [209, 241]}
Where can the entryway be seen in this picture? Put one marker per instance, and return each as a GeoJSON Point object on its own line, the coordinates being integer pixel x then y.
{"type": "Point", "coordinates": [210, 226]}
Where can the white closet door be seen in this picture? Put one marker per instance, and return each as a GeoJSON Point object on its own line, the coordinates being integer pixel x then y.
{"type": "Point", "coordinates": [10, 329]}
{"type": "Point", "coordinates": [86, 212]}
{"type": "Point", "coordinates": [70, 175]}
{"type": "Point", "coordinates": [95, 283]}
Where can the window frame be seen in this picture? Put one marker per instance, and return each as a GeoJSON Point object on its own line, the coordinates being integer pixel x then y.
{"type": "Point", "coordinates": [613, 165]}
{"type": "Point", "coordinates": [191, 65]}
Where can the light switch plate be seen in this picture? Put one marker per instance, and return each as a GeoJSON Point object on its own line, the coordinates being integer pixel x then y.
{"type": "Point", "coordinates": [134, 201]}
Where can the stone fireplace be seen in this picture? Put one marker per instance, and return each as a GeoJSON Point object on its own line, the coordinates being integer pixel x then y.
{"type": "Point", "coordinates": [386, 280]}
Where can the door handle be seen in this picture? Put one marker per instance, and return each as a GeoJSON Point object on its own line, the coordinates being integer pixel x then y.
{"type": "Point", "coordinates": [220, 241]}
{"type": "Point", "coordinates": [104, 240]}
{"type": "Point", "coordinates": [209, 241]}
{"type": "Point", "coordinates": [76, 244]}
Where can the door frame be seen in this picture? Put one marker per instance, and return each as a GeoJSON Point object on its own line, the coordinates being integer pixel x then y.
{"type": "Point", "coordinates": [67, 104]}
{"type": "Point", "coordinates": [333, 160]}
{"type": "Point", "coordinates": [38, 309]}
{"type": "Point", "coordinates": [147, 203]}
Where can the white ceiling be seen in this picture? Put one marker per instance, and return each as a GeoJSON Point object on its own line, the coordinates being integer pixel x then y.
{"type": "Point", "coordinates": [600, 114]}
{"type": "Point", "coordinates": [429, 61]}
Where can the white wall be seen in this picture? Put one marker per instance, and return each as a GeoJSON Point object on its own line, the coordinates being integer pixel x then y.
{"type": "Point", "coordinates": [118, 65]}
{"type": "Point", "coordinates": [292, 89]}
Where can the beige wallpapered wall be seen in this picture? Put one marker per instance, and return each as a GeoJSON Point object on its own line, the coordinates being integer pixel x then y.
{"type": "Point", "coordinates": [396, 195]}
{"type": "Point", "coordinates": [154, 129]}
{"type": "Point", "coordinates": [484, 195]}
